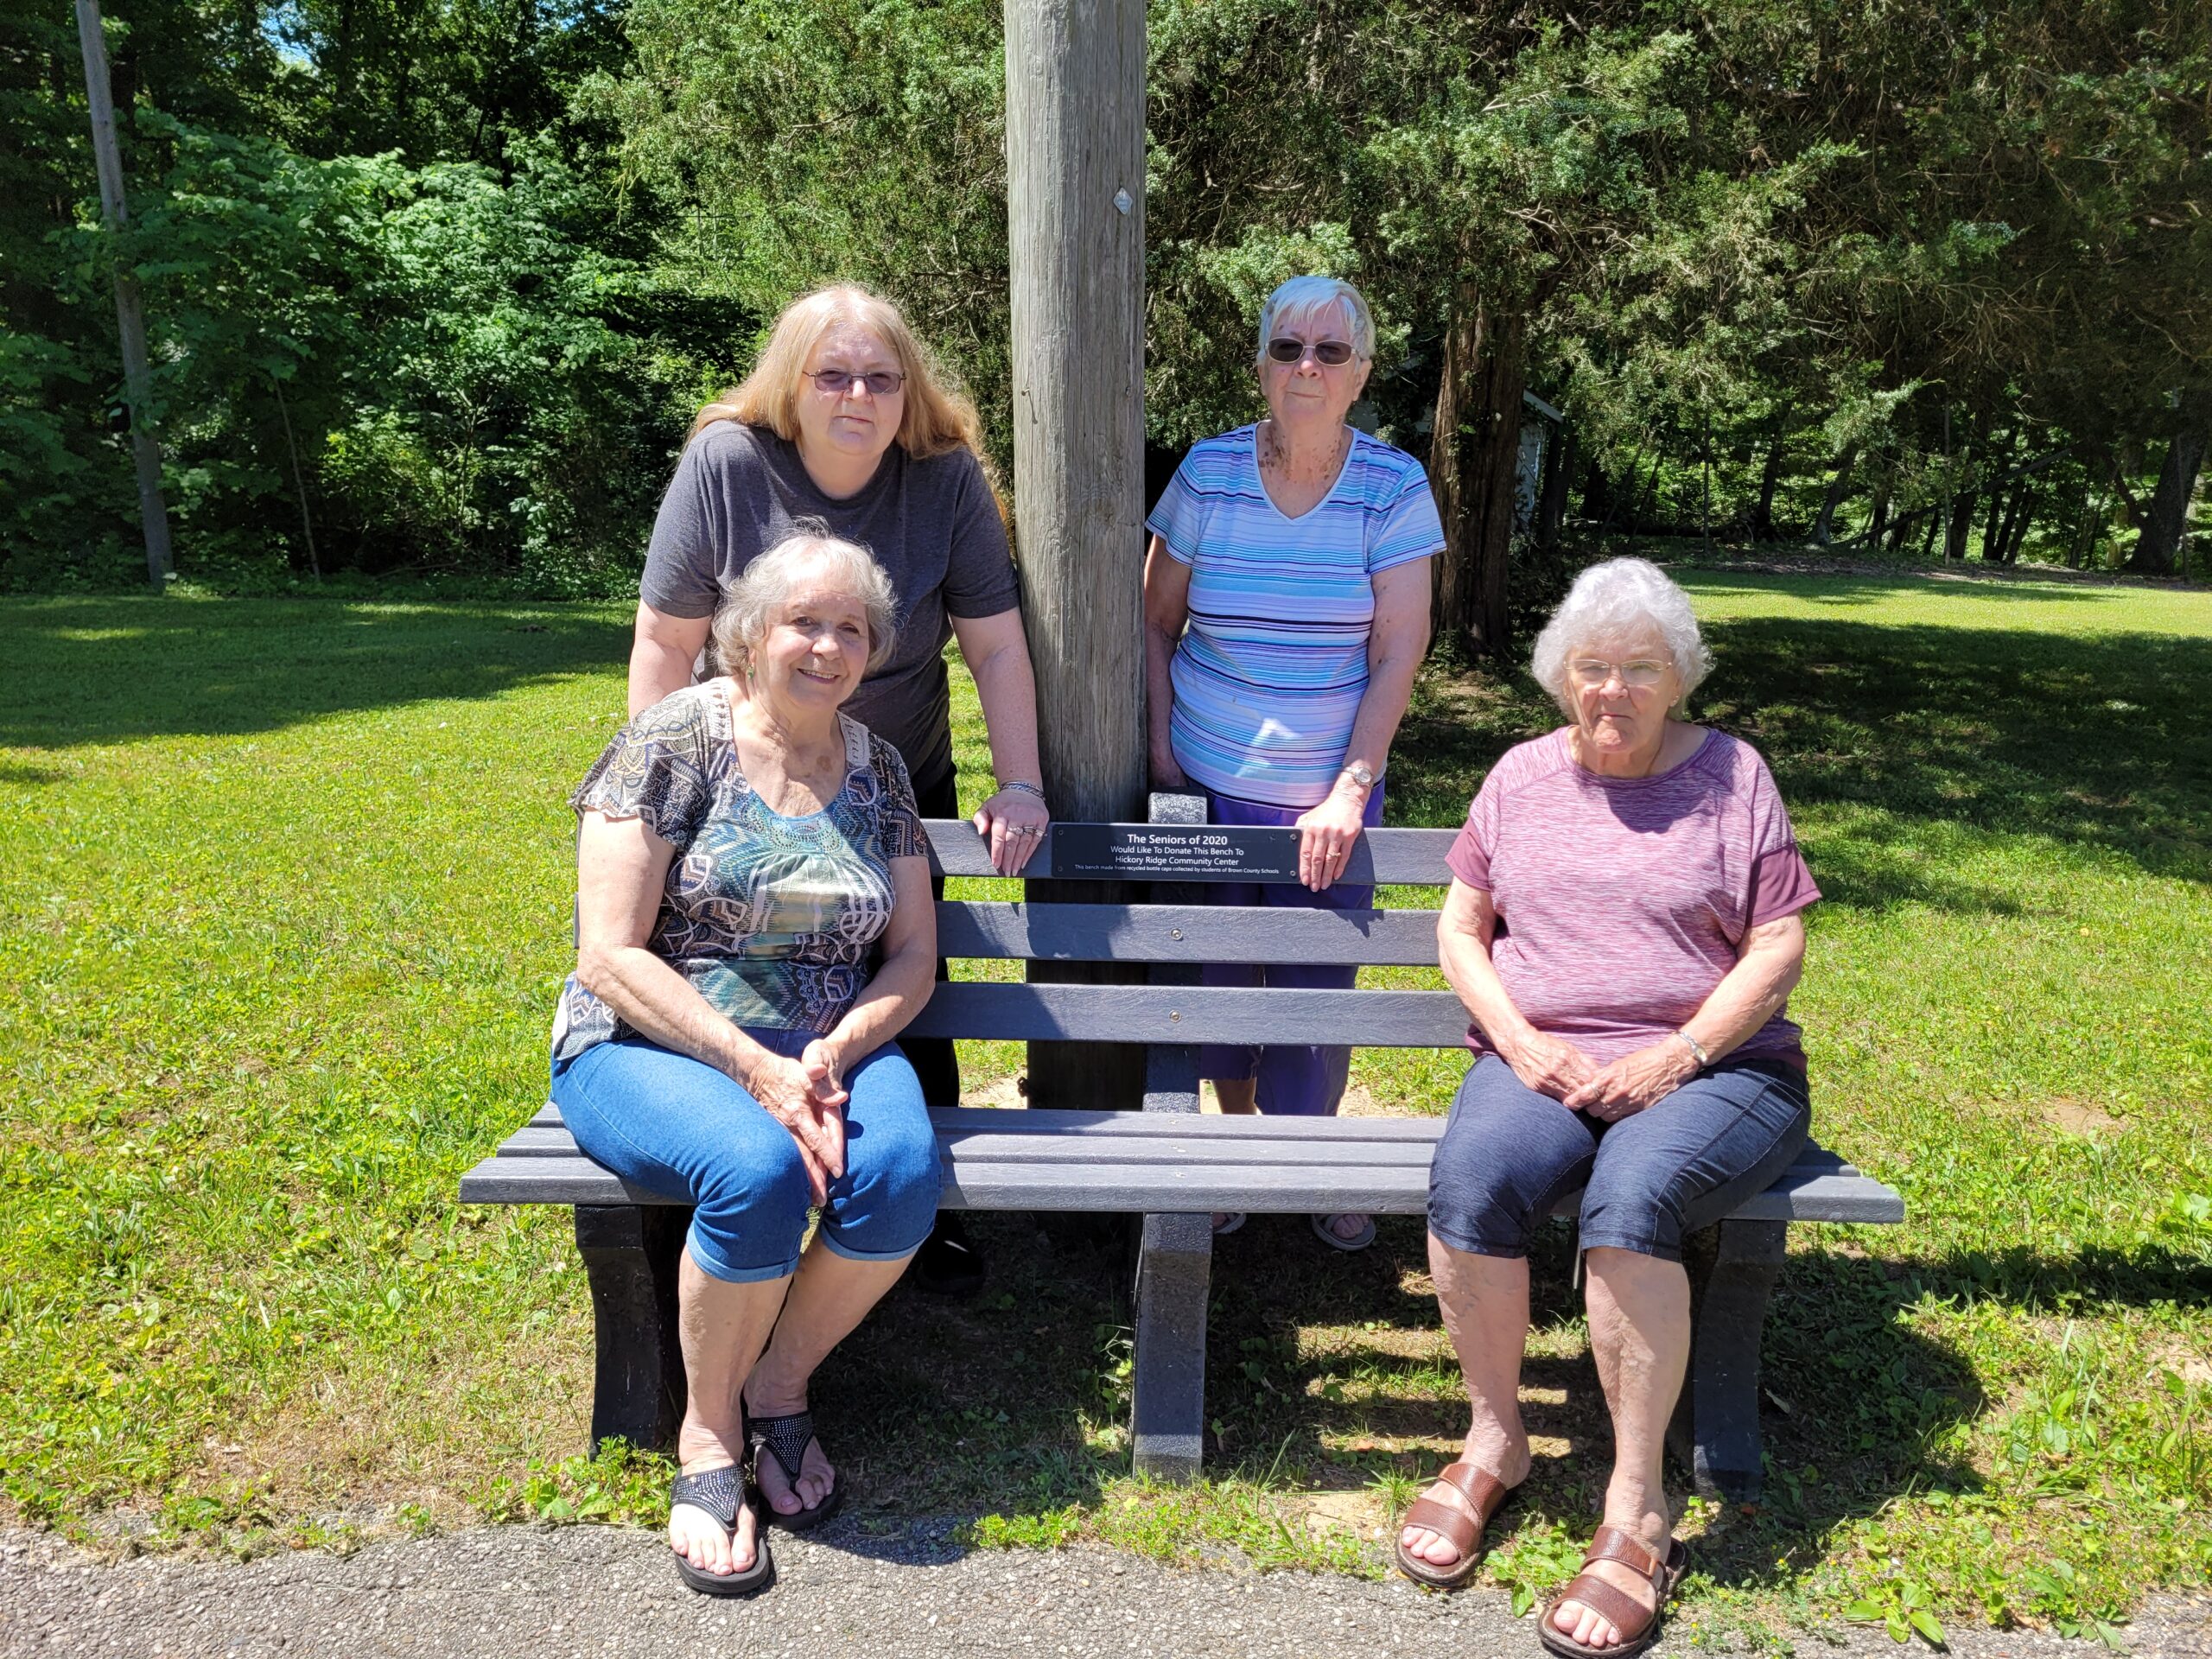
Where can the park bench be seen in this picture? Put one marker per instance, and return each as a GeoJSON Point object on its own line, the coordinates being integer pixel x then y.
{"type": "Point", "coordinates": [1169, 1164]}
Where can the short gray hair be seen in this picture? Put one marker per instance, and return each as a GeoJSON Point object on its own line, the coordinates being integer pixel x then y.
{"type": "Point", "coordinates": [1302, 295]}
{"type": "Point", "coordinates": [742, 619]}
{"type": "Point", "coordinates": [1613, 598]}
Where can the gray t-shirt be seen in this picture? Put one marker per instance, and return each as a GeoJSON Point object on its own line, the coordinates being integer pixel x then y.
{"type": "Point", "coordinates": [932, 525]}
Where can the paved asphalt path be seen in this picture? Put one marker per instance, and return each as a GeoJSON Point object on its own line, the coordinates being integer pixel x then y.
{"type": "Point", "coordinates": [547, 1593]}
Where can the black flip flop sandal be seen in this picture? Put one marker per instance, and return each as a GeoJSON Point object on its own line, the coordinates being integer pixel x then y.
{"type": "Point", "coordinates": [785, 1439]}
{"type": "Point", "coordinates": [720, 1493]}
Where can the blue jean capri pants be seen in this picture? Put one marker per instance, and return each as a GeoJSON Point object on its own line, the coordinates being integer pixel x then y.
{"type": "Point", "coordinates": [677, 1126]}
{"type": "Point", "coordinates": [1510, 1154]}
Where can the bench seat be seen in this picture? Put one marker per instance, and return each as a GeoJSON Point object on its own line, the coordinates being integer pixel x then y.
{"type": "Point", "coordinates": [1126, 1162]}
{"type": "Point", "coordinates": [1168, 1163]}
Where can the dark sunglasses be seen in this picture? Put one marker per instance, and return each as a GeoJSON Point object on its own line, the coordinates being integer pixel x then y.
{"type": "Point", "coordinates": [831, 383]}
{"type": "Point", "coordinates": [1334, 352]}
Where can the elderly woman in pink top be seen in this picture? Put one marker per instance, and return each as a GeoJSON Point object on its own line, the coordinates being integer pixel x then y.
{"type": "Point", "coordinates": [1624, 929]}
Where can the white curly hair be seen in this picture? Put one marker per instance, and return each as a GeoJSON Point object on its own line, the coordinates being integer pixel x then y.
{"type": "Point", "coordinates": [742, 619]}
{"type": "Point", "coordinates": [1607, 600]}
{"type": "Point", "coordinates": [1302, 299]}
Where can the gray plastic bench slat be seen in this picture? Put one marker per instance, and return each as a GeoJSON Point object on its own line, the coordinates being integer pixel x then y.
{"type": "Point", "coordinates": [1396, 857]}
{"type": "Point", "coordinates": [1174, 1013]}
{"type": "Point", "coordinates": [1074, 1160]}
{"type": "Point", "coordinates": [974, 1131]}
{"type": "Point", "coordinates": [1404, 938]}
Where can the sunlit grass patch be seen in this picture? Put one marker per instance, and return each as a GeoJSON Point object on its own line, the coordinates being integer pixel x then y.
{"type": "Point", "coordinates": [284, 900]}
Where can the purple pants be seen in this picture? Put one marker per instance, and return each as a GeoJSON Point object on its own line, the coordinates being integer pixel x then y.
{"type": "Point", "coordinates": [1296, 1080]}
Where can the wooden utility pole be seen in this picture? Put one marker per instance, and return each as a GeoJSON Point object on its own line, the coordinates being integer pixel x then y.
{"type": "Point", "coordinates": [1075, 213]}
{"type": "Point", "coordinates": [130, 319]}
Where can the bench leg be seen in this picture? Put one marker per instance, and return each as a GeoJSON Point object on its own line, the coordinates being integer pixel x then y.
{"type": "Point", "coordinates": [1715, 1429]}
{"type": "Point", "coordinates": [630, 1253]}
{"type": "Point", "coordinates": [1169, 1417]}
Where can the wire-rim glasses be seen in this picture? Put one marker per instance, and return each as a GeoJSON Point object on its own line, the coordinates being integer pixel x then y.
{"type": "Point", "coordinates": [832, 383]}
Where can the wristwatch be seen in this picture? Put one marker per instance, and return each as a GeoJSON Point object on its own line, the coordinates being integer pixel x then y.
{"type": "Point", "coordinates": [1361, 774]}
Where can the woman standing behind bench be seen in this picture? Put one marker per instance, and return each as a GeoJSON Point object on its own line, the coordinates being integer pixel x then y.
{"type": "Point", "coordinates": [845, 420]}
{"type": "Point", "coordinates": [1286, 601]}
{"type": "Point", "coordinates": [1623, 927]}
{"type": "Point", "coordinates": [745, 849]}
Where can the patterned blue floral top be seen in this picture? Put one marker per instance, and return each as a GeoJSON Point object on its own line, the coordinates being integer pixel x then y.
{"type": "Point", "coordinates": [773, 919]}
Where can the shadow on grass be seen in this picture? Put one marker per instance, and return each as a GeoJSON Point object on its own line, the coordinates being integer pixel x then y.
{"type": "Point", "coordinates": [1894, 740]}
{"type": "Point", "coordinates": [97, 670]}
{"type": "Point", "coordinates": [1326, 1372]}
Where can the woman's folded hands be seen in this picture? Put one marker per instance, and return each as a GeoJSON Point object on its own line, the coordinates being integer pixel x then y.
{"type": "Point", "coordinates": [1634, 1082]}
{"type": "Point", "coordinates": [1553, 1066]}
{"type": "Point", "coordinates": [806, 1096]}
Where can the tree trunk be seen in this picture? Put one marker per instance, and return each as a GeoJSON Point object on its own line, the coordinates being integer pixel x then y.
{"type": "Point", "coordinates": [1643, 505]}
{"type": "Point", "coordinates": [1551, 510]}
{"type": "Point", "coordinates": [1992, 524]}
{"type": "Point", "coordinates": [2166, 520]}
{"type": "Point", "coordinates": [1770, 480]}
{"type": "Point", "coordinates": [1823, 530]}
{"type": "Point", "coordinates": [299, 479]}
{"type": "Point", "coordinates": [1598, 495]}
{"type": "Point", "coordinates": [130, 316]}
{"type": "Point", "coordinates": [1928, 535]}
{"type": "Point", "coordinates": [1959, 517]}
{"type": "Point", "coordinates": [1473, 458]}
{"type": "Point", "coordinates": [1960, 524]}
{"type": "Point", "coordinates": [1878, 525]}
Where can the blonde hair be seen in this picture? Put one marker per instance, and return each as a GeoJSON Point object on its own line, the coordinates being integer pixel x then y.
{"type": "Point", "coordinates": [938, 417]}
{"type": "Point", "coordinates": [742, 618]}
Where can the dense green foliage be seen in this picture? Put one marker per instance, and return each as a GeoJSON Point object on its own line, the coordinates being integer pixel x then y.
{"type": "Point", "coordinates": [284, 903]}
{"type": "Point", "coordinates": [433, 287]}
{"type": "Point", "coordinates": [398, 322]}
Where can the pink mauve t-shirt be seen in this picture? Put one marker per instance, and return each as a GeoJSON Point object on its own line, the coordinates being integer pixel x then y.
{"type": "Point", "coordinates": [1621, 901]}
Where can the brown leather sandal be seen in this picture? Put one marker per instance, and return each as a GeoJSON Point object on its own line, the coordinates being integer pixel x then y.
{"type": "Point", "coordinates": [1639, 1625]}
{"type": "Point", "coordinates": [1485, 1495]}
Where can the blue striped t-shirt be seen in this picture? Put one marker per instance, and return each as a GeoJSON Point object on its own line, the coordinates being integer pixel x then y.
{"type": "Point", "coordinates": [1271, 670]}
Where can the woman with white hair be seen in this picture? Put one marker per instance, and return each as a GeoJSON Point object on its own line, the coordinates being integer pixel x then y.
{"type": "Point", "coordinates": [1286, 600]}
{"type": "Point", "coordinates": [754, 926]}
{"type": "Point", "coordinates": [1624, 928]}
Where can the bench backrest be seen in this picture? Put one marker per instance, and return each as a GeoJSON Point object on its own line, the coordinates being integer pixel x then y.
{"type": "Point", "coordinates": [1174, 936]}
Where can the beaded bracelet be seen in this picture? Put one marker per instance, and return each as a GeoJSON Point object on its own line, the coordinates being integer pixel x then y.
{"type": "Point", "coordinates": [1020, 788]}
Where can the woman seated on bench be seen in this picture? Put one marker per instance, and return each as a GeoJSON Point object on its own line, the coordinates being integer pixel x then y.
{"type": "Point", "coordinates": [1623, 928]}
{"type": "Point", "coordinates": [746, 849]}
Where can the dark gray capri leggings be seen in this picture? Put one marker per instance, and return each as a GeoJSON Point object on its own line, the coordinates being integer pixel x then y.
{"type": "Point", "coordinates": [1509, 1155]}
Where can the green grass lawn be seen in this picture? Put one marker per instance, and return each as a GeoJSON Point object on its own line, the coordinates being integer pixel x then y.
{"type": "Point", "coordinates": [284, 892]}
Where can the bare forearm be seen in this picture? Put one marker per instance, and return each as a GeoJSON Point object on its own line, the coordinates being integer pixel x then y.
{"type": "Point", "coordinates": [1389, 689]}
{"type": "Point", "coordinates": [1159, 695]}
{"type": "Point", "coordinates": [1747, 998]}
{"type": "Point", "coordinates": [1470, 973]}
{"type": "Point", "coordinates": [661, 1006]}
{"type": "Point", "coordinates": [894, 993]}
{"type": "Point", "coordinates": [1006, 687]}
{"type": "Point", "coordinates": [656, 669]}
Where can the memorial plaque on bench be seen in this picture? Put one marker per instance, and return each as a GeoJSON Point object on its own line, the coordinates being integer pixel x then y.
{"type": "Point", "coordinates": [1174, 852]}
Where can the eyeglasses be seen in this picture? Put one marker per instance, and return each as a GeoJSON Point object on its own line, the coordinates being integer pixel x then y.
{"type": "Point", "coordinates": [832, 383]}
{"type": "Point", "coordinates": [1638, 675]}
{"type": "Point", "coordinates": [1333, 352]}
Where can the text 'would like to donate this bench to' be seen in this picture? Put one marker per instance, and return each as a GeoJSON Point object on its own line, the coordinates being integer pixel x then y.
{"type": "Point", "coordinates": [1169, 1163]}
